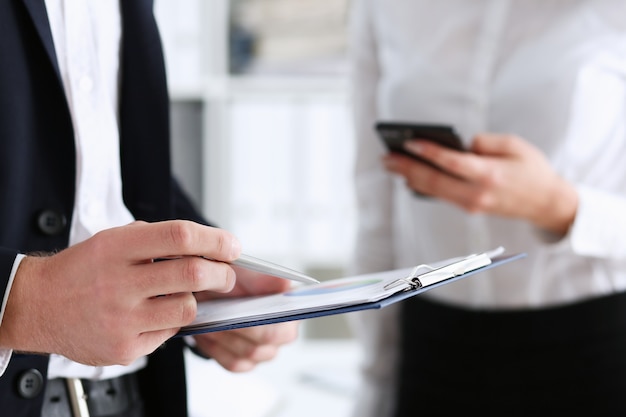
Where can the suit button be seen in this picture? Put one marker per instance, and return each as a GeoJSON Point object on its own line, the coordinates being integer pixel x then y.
{"type": "Point", "coordinates": [30, 383]}
{"type": "Point", "coordinates": [51, 222]}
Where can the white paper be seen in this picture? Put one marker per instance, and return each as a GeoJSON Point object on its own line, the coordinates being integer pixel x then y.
{"type": "Point", "coordinates": [302, 298]}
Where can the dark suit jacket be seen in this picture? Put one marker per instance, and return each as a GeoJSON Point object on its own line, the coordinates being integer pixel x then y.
{"type": "Point", "coordinates": [37, 168]}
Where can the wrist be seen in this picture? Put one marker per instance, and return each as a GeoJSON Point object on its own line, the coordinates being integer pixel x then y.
{"type": "Point", "coordinates": [20, 321]}
{"type": "Point", "coordinates": [559, 213]}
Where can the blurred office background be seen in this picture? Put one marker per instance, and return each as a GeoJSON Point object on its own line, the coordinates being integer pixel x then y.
{"type": "Point", "coordinates": [263, 143]}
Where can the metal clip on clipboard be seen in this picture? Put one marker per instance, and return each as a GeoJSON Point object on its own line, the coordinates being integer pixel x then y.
{"type": "Point", "coordinates": [417, 280]}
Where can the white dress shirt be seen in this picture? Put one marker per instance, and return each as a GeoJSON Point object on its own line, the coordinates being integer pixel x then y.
{"type": "Point", "coordinates": [552, 72]}
{"type": "Point", "coordinates": [87, 35]}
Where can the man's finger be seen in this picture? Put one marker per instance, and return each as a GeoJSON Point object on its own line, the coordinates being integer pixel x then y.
{"type": "Point", "coordinates": [165, 312]}
{"type": "Point", "coordinates": [177, 238]}
{"type": "Point", "coordinates": [185, 274]}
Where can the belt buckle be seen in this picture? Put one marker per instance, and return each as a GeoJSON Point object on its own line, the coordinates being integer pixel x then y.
{"type": "Point", "coordinates": [78, 398]}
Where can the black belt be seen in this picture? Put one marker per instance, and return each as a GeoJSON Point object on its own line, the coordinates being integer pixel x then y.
{"type": "Point", "coordinates": [114, 397]}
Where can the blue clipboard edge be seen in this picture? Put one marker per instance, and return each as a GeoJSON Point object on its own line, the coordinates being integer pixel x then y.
{"type": "Point", "coordinates": [496, 261]}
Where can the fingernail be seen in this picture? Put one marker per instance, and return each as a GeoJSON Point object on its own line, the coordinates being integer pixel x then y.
{"type": "Point", "coordinates": [414, 147]}
{"type": "Point", "coordinates": [235, 249]}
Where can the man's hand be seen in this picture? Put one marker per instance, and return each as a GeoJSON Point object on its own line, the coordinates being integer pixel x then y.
{"type": "Point", "coordinates": [106, 301]}
{"type": "Point", "coordinates": [503, 175]}
{"type": "Point", "coordinates": [242, 349]}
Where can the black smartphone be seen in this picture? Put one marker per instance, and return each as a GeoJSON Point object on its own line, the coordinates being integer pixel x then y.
{"type": "Point", "coordinates": [395, 134]}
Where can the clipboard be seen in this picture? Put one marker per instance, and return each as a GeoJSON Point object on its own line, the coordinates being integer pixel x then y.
{"type": "Point", "coordinates": [342, 295]}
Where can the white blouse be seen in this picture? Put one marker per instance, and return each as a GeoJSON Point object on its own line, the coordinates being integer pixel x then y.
{"type": "Point", "coordinates": [552, 72]}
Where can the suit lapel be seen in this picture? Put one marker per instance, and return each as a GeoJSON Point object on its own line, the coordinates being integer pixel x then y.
{"type": "Point", "coordinates": [39, 16]}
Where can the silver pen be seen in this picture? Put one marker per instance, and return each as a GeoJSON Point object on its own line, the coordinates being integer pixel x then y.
{"type": "Point", "coordinates": [265, 267]}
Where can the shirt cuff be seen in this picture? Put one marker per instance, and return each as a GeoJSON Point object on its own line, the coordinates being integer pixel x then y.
{"type": "Point", "coordinates": [5, 354]}
{"type": "Point", "coordinates": [598, 230]}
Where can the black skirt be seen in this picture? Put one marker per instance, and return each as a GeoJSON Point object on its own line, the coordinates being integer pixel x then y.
{"type": "Point", "coordinates": [565, 361]}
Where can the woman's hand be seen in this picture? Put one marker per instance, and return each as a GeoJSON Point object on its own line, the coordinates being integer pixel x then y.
{"type": "Point", "coordinates": [502, 175]}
